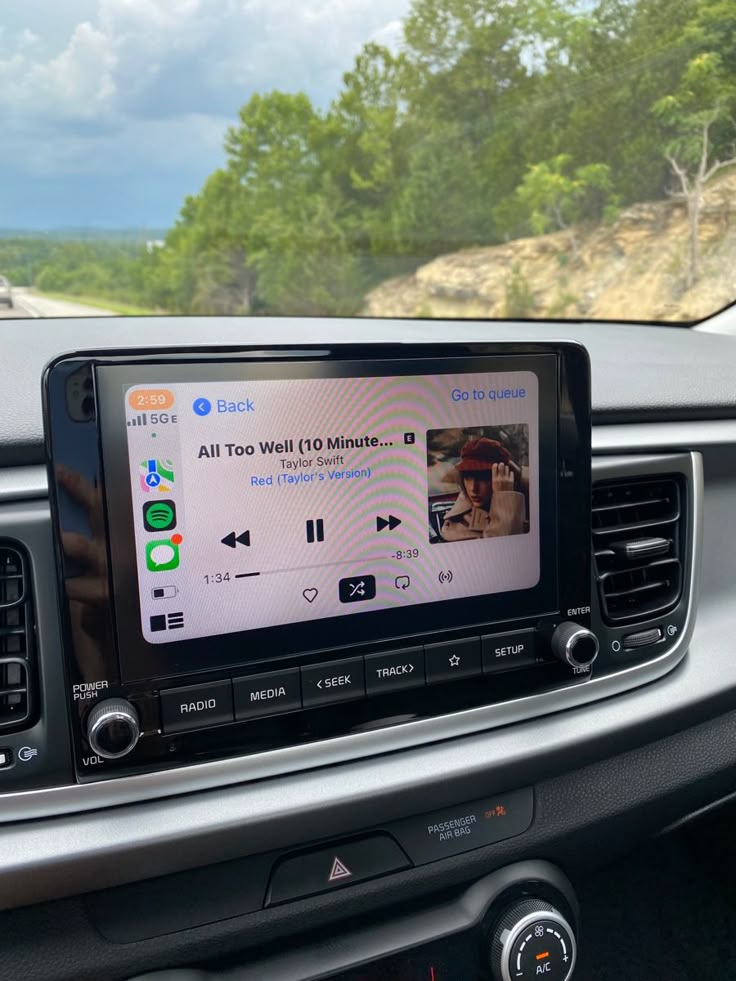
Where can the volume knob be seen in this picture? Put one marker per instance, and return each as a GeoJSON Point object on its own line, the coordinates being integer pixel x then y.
{"type": "Point", "coordinates": [575, 645]}
{"type": "Point", "coordinates": [113, 728]}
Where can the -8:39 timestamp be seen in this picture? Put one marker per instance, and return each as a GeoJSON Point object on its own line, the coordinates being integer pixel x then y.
{"type": "Point", "coordinates": [405, 553]}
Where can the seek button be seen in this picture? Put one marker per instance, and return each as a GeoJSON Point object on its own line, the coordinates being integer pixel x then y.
{"type": "Point", "coordinates": [333, 681]}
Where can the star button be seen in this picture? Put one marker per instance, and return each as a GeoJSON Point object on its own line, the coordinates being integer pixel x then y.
{"type": "Point", "coordinates": [454, 661]}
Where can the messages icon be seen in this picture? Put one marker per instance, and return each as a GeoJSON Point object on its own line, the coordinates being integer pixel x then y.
{"type": "Point", "coordinates": [162, 555]}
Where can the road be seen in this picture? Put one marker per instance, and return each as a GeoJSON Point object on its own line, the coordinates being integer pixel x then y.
{"type": "Point", "coordinates": [27, 304]}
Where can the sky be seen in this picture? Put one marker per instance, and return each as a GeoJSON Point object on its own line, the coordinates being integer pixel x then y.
{"type": "Point", "coordinates": [112, 111]}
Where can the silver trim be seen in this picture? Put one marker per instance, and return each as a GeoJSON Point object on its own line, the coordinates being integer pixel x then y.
{"type": "Point", "coordinates": [112, 710]}
{"type": "Point", "coordinates": [219, 773]}
{"type": "Point", "coordinates": [23, 484]}
{"type": "Point", "coordinates": [663, 436]}
{"type": "Point", "coordinates": [524, 922]}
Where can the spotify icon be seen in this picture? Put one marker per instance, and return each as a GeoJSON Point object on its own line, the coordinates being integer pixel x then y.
{"type": "Point", "coordinates": [159, 515]}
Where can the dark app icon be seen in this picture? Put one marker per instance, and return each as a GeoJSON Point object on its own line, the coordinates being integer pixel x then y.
{"type": "Point", "coordinates": [159, 515]}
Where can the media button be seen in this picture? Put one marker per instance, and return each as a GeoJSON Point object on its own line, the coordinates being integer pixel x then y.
{"type": "Point", "coordinates": [452, 659]}
{"type": "Point", "coordinates": [394, 670]}
{"type": "Point", "coordinates": [504, 652]}
{"type": "Point", "coordinates": [267, 694]}
{"type": "Point", "coordinates": [333, 681]}
{"type": "Point", "coordinates": [197, 706]}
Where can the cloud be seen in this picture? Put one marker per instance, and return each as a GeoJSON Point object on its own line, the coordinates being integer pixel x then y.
{"type": "Point", "coordinates": [128, 86]}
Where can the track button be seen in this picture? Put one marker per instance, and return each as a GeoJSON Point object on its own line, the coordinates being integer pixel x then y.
{"type": "Point", "coordinates": [394, 670]}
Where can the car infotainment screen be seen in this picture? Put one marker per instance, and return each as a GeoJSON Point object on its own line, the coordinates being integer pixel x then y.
{"type": "Point", "coordinates": [269, 505]}
{"type": "Point", "coordinates": [265, 502]}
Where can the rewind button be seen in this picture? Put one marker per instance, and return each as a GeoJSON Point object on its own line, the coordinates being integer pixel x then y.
{"type": "Point", "coordinates": [232, 540]}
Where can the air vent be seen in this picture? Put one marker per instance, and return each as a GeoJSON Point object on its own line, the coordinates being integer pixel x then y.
{"type": "Point", "coordinates": [638, 545]}
{"type": "Point", "coordinates": [16, 639]}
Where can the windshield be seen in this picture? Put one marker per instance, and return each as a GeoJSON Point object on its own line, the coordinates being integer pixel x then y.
{"type": "Point", "coordinates": [541, 159]}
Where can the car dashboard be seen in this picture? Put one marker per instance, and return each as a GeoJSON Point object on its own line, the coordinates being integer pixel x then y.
{"type": "Point", "coordinates": [417, 828]}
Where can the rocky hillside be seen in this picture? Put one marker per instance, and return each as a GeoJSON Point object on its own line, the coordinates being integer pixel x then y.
{"type": "Point", "coordinates": [632, 269]}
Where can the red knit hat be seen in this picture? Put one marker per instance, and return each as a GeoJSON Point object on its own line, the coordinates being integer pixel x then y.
{"type": "Point", "coordinates": [481, 454]}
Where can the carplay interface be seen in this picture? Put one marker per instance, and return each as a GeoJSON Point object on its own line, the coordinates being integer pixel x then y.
{"type": "Point", "coordinates": [266, 502]}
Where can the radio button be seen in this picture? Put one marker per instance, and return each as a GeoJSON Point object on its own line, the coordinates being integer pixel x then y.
{"type": "Point", "coordinates": [452, 659]}
{"type": "Point", "coordinates": [267, 694]}
{"type": "Point", "coordinates": [333, 681]}
{"type": "Point", "coordinates": [504, 652]}
{"type": "Point", "coordinates": [197, 706]}
{"type": "Point", "coordinates": [394, 670]}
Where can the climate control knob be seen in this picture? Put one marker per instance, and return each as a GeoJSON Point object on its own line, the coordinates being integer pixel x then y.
{"type": "Point", "coordinates": [113, 728]}
{"type": "Point", "coordinates": [575, 645]}
{"type": "Point", "coordinates": [533, 941]}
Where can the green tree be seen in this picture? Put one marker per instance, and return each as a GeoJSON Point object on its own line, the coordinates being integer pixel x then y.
{"type": "Point", "coordinates": [557, 197]}
{"type": "Point", "coordinates": [700, 104]}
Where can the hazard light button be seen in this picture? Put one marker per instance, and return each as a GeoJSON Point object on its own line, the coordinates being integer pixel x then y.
{"type": "Point", "coordinates": [328, 868]}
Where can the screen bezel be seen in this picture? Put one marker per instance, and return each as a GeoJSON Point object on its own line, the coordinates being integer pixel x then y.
{"type": "Point", "coordinates": [139, 659]}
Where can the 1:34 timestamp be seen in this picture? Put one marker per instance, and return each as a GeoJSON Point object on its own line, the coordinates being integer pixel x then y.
{"type": "Point", "coordinates": [214, 578]}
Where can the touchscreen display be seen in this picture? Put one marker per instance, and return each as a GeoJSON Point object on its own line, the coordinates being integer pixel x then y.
{"type": "Point", "coordinates": [278, 501]}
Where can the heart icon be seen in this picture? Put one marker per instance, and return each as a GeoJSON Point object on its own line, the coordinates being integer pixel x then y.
{"type": "Point", "coordinates": [310, 595]}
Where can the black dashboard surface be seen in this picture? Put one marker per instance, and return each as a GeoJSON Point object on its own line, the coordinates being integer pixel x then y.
{"type": "Point", "coordinates": [640, 373]}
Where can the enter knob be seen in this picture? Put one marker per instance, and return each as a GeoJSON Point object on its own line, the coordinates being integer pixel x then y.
{"type": "Point", "coordinates": [113, 728]}
{"type": "Point", "coordinates": [575, 645]}
{"type": "Point", "coordinates": [533, 942]}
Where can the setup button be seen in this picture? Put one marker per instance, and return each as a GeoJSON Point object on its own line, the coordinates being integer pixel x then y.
{"type": "Point", "coordinates": [504, 652]}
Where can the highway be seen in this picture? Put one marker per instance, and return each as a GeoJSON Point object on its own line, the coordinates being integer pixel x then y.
{"type": "Point", "coordinates": [27, 304]}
